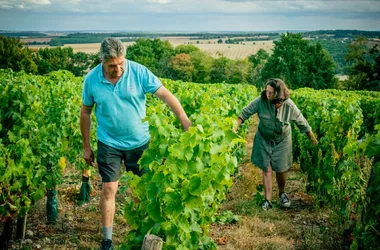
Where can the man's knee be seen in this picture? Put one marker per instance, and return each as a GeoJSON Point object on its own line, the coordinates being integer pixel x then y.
{"type": "Point", "coordinates": [109, 189]}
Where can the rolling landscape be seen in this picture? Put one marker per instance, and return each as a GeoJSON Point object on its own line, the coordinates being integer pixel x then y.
{"type": "Point", "coordinates": [200, 189]}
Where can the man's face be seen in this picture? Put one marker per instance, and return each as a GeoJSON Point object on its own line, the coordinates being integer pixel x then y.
{"type": "Point", "coordinates": [114, 67]}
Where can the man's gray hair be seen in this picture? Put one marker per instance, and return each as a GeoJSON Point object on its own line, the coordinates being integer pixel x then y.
{"type": "Point", "coordinates": [111, 48]}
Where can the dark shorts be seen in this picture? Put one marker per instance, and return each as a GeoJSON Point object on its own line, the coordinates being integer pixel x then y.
{"type": "Point", "coordinates": [110, 160]}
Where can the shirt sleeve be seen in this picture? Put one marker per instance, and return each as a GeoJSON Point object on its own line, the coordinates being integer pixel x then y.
{"type": "Point", "coordinates": [151, 83]}
{"type": "Point", "coordinates": [300, 120]}
{"type": "Point", "coordinates": [250, 109]}
{"type": "Point", "coordinates": [87, 97]}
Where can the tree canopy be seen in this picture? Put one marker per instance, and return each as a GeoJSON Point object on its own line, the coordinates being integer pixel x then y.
{"type": "Point", "coordinates": [14, 55]}
{"type": "Point", "coordinates": [364, 72]}
{"type": "Point", "coordinates": [300, 64]}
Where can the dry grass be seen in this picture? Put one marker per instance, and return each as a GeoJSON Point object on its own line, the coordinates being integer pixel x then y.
{"type": "Point", "coordinates": [40, 40]}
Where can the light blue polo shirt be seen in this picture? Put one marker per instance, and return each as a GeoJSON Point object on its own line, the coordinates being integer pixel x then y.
{"type": "Point", "coordinates": [121, 107]}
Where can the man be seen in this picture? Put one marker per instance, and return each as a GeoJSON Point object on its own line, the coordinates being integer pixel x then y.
{"type": "Point", "coordinates": [118, 86]}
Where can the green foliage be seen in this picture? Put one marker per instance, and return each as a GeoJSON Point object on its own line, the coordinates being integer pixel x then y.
{"type": "Point", "coordinates": [339, 168]}
{"type": "Point", "coordinates": [258, 197]}
{"type": "Point", "coordinates": [258, 58]}
{"type": "Point", "coordinates": [300, 64]}
{"type": "Point", "coordinates": [365, 65]}
{"type": "Point", "coordinates": [49, 60]}
{"type": "Point", "coordinates": [180, 67]}
{"type": "Point", "coordinates": [14, 55]}
{"type": "Point", "coordinates": [237, 71]}
{"type": "Point", "coordinates": [219, 69]}
{"type": "Point", "coordinates": [332, 167]}
{"type": "Point", "coordinates": [187, 49]}
{"type": "Point", "coordinates": [337, 48]}
{"type": "Point", "coordinates": [39, 131]}
{"type": "Point", "coordinates": [202, 66]}
{"type": "Point", "coordinates": [367, 232]}
{"type": "Point", "coordinates": [257, 61]}
{"type": "Point", "coordinates": [187, 63]}
{"type": "Point", "coordinates": [189, 173]}
{"type": "Point", "coordinates": [154, 54]}
{"type": "Point", "coordinates": [227, 217]}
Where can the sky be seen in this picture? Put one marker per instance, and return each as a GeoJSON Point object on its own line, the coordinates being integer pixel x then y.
{"type": "Point", "coordinates": [188, 15]}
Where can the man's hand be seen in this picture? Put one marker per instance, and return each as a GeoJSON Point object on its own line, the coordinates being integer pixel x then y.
{"type": "Point", "coordinates": [186, 124]}
{"type": "Point", "coordinates": [88, 156]}
{"type": "Point", "coordinates": [170, 100]}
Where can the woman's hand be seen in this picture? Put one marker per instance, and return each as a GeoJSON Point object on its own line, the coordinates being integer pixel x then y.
{"type": "Point", "coordinates": [235, 129]}
{"type": "Point", "coordinates": [312, 137]}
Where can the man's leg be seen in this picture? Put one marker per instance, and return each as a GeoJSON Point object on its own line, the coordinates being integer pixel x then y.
{"type": "Point", "coordinates": [107, 207]}
{"type": "Point", "coordinates": [109, 164]}
{"type": "Point", "coordinates": [132, 157]}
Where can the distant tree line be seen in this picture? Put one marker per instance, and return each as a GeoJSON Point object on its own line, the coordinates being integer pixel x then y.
{"type": "Point", "coordinates": [80, 40]}
{"type": "Point", "coordinates": [249, 39]}
{"type": "Point", "coordinates": [37, 43]}
{"type": "Point", "coordinates": [342, 33]}
{"type": "Point", "coordinates": [14, 55]}
{"type": "Point", "coordinates": [19, 34]}
{"type": "Point", "coordinates": [300, 62]}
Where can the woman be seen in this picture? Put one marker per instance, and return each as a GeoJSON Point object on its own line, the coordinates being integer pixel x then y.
{"type": "Point", "coordinates": [272, 147]}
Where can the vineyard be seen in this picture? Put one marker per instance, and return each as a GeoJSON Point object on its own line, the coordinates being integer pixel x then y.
{"type": "Point", "coordinates": [188, 174]}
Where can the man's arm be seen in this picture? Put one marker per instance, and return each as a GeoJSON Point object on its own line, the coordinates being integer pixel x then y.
{"type": "Point", "coordinates": [166, 96]}
{"type": "Point", "coordinates": [85, 125]}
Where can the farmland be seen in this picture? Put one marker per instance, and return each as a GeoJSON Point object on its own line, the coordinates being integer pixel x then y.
{"type": "Point", "coordinates": [232, 51]}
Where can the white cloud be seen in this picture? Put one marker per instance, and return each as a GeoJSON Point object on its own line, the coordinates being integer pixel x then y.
{"type": "Point", "coordinates": [27, 4]}
{"type": "Point", "coordinates": [184, 14]}
{"type": "Point", "coordinates": [5, 5]}
{"type": "Point", "coordinates": [39, 2]}
{"type": "Point", "coordinates": [160, 1]}
{"type": "Point", "coordinates": [194, 6]}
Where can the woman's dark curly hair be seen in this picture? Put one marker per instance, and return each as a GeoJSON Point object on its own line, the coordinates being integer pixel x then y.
{"type": "Point", "coordinates": [281, 91]}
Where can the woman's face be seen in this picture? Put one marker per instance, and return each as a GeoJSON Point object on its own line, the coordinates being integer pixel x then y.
{"type": "Point", "coordinates": [269, 92]}
{"type": "Point", "coordinates": [270, 96]}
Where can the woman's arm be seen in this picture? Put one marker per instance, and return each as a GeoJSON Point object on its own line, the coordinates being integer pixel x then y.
{"type": "Point", "coordinates": [312, 137]}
